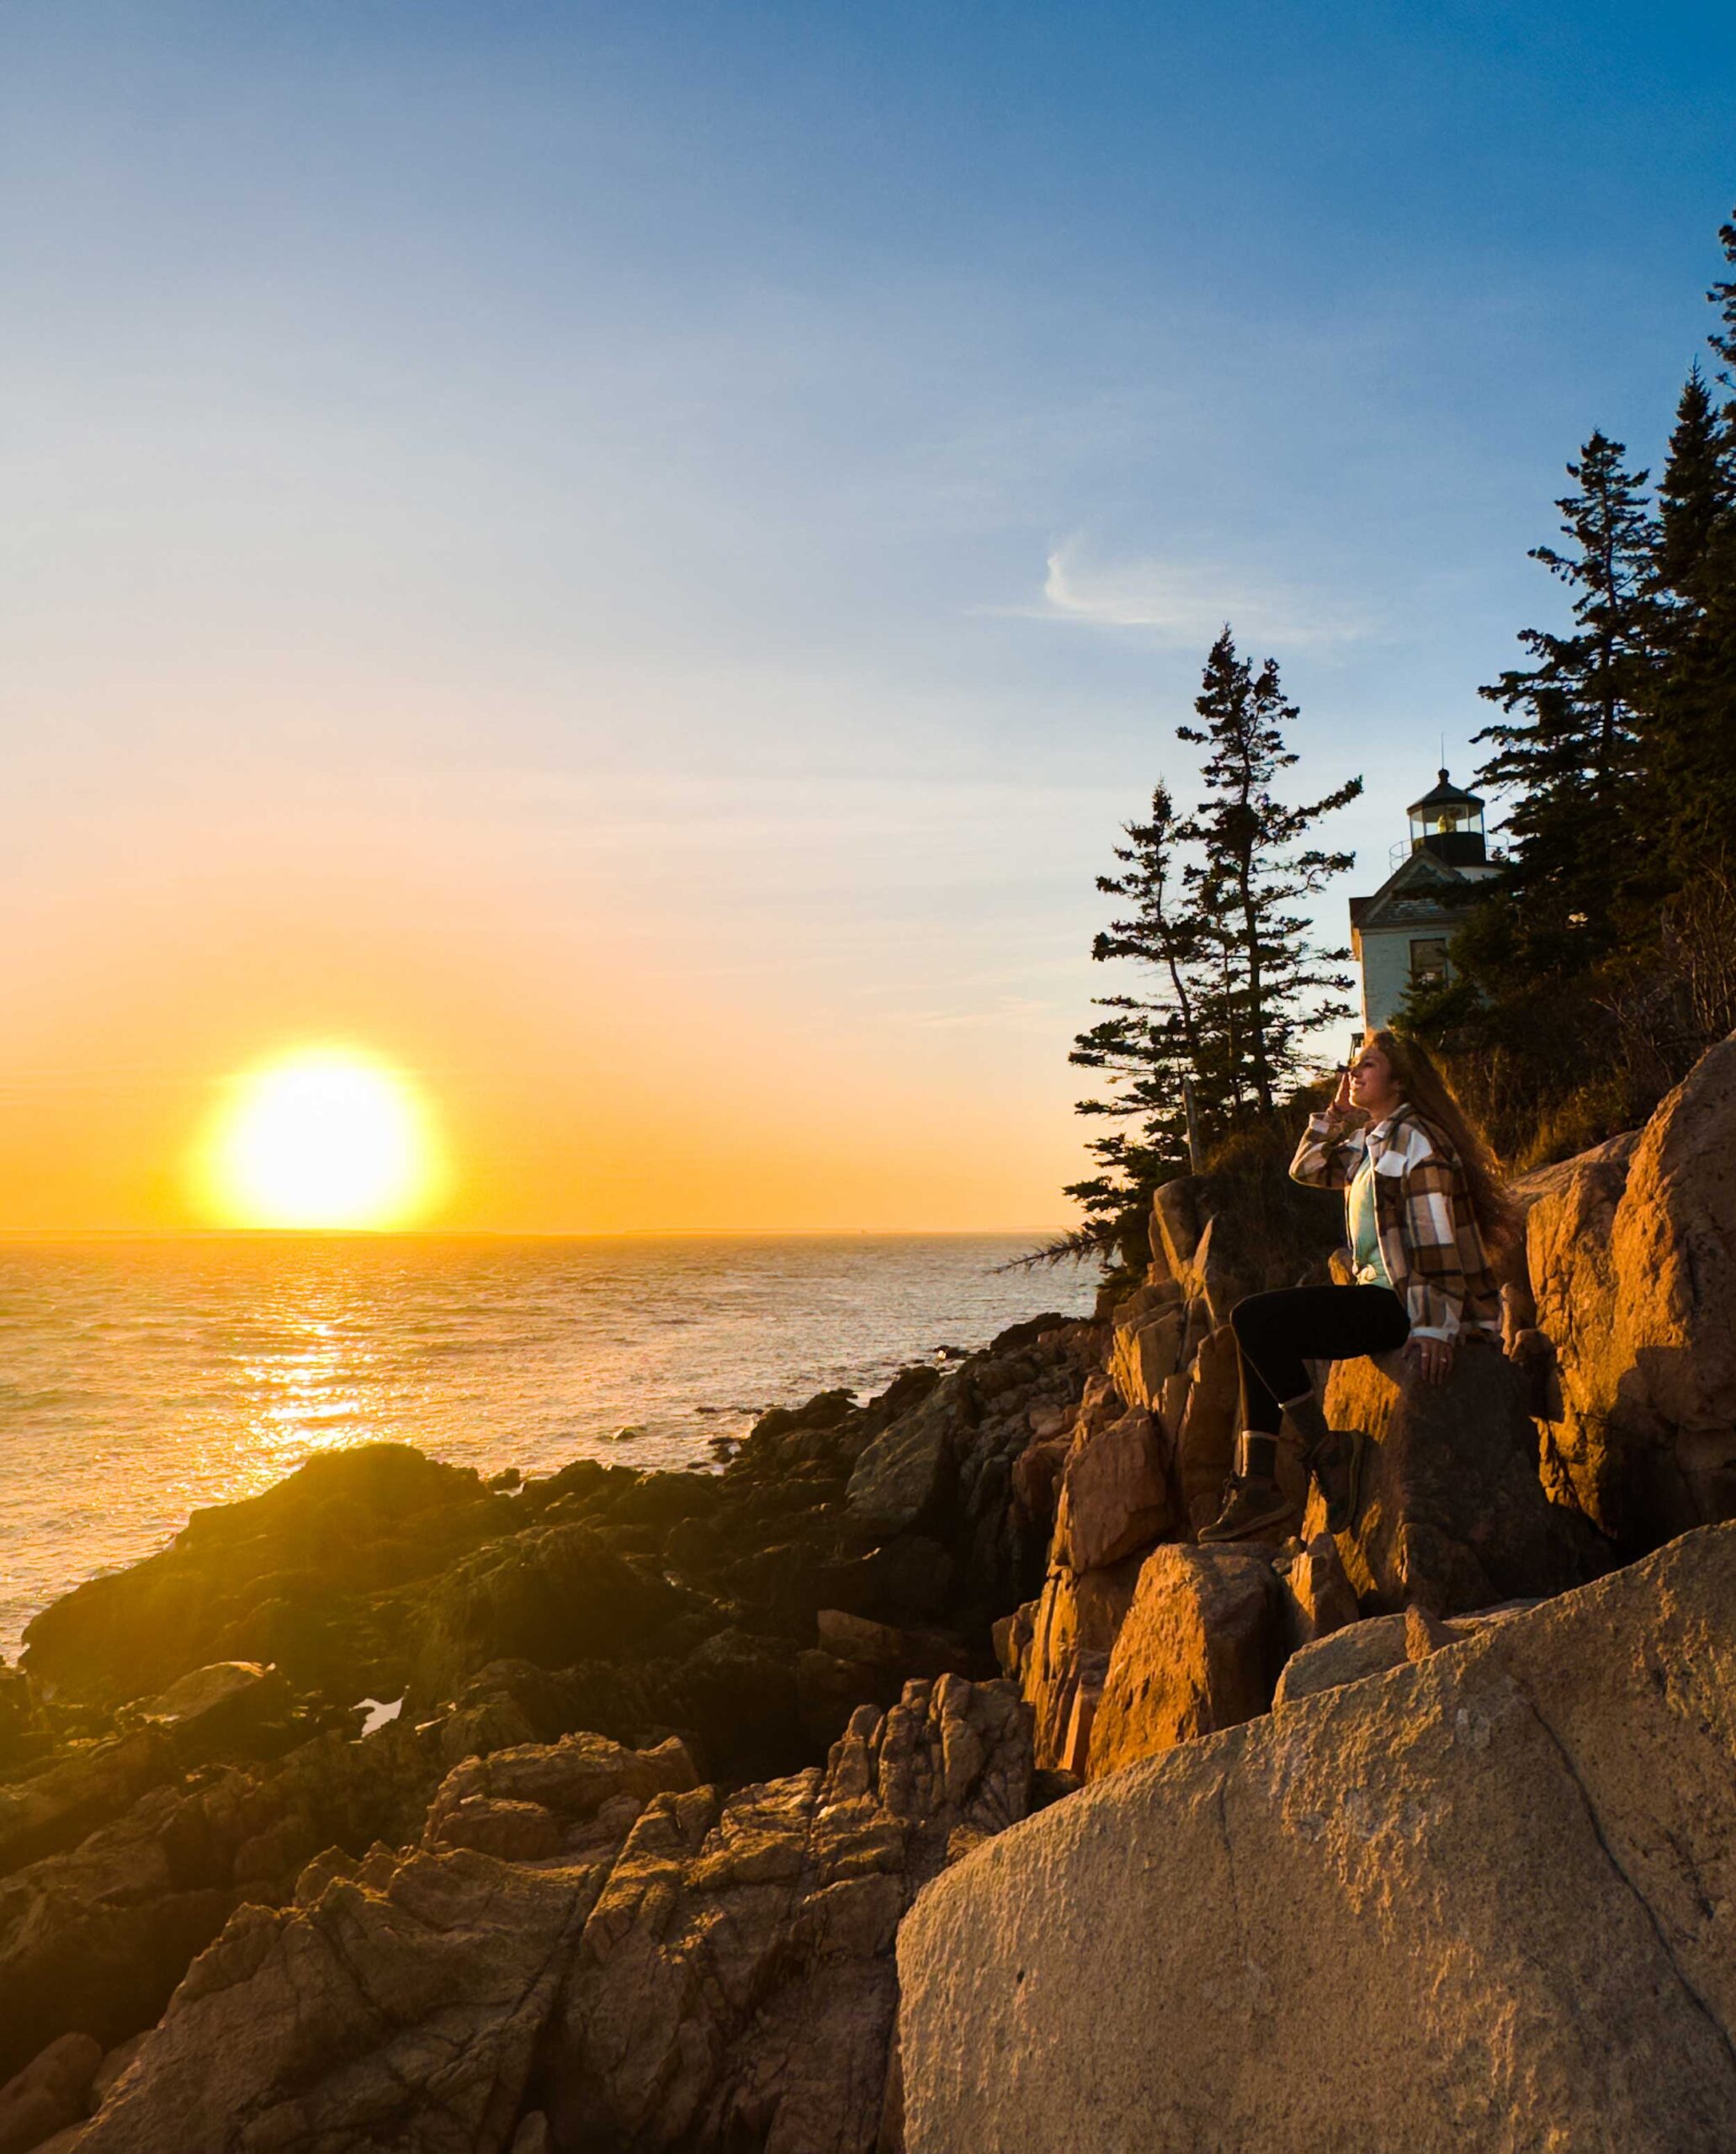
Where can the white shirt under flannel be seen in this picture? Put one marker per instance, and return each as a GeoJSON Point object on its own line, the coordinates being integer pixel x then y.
{"type": "Point", "coordinates": [1428, 1231]}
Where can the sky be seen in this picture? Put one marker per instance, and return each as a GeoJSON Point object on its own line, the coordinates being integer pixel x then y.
{"type": "Point", "coordinates": [631, 561]}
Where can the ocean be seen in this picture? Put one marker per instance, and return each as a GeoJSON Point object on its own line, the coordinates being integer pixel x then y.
{"type": "Point", "coordinates": [142, 1378]}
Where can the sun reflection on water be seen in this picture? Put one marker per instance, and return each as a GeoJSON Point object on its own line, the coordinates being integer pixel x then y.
{"type": "Point", "coordinates": [145, 1379]}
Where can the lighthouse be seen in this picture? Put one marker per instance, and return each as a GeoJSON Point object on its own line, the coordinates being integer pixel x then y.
{"type": "Point", "coordinates": [1400, 935]}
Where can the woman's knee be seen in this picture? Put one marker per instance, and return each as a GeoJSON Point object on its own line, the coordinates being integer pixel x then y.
{"type": "Point", "coordinates": [1253, 1313]}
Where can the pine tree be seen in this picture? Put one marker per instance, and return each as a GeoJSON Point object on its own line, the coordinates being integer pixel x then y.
{"type": "Point", "coordinates": [1152, 1041]}
{"type": "Point", "coordinates": [1689, 809]}
{"type": "Point", "coordinates": [1723, 296]}
{"type": "Point", "coordinates": [1567, 748]}
{"type": "Point", "coordinates": [1269, 977]}
{"type": "Point", "coordinates": [1684, 724]}
{"type": "Point", "coordinates": [1694, 499]}
{"type": "Point", "coordinates": [1234, 979]}
{"type": "Point", "coordinates": [1578, 992]}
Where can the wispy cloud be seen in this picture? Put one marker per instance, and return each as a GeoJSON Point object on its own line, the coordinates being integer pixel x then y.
{"type": "Point", "coordinates": [1183, 602]}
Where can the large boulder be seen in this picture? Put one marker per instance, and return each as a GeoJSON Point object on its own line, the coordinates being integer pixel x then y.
{"type": "Point", "coordinates": [1487, 1900]}
{"type": "Point", "coordinates": [1452, 1515]}
{"type": "Point", "coordinates": [1062, 1655]}
{"type": "Point", "coordinates": [1147, 1351]}
{"type": "Point", "coordinates": [907, 1474]}
{"type": "Point", "coordinates": [1632, 1261]}
{"type": "Point", "coordinates": [1371, 1646]}
{"type": "Point", "coordinates": [1115, 1493]}
{"type": "Point", "coordinates": [1177, 1222]}
{"type": "Point", "coordinates": [1201, 1649]}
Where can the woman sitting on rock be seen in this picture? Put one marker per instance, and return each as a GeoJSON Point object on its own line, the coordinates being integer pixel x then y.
{"type": "Point", "coordinates": [1423, 1207]}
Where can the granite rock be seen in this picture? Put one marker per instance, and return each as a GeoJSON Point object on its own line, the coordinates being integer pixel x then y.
{"type": "Point", "coordinates": [1486, 1900]}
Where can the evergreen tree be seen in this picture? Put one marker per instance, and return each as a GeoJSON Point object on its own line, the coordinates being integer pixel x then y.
{"type": "Point", "coordinates": [1689, 813]}
{"type": "Point", "coordinates": [1234, 980]}
{"type": "Point", "coordinates": [1151, 1042]}
{"type": "Point", "coordinates": [1683, 795]}
{"type": "Point", "coordinates": [1693, 503]}
{"type": "Point", "coordinates": [1269, 976]}
{"type": "Point", "coordinates": [1567, 745]}
{"type": "Point", "coordinates": [1579, 994]}
{"type": "Point", "coordinates": [1723, 295]}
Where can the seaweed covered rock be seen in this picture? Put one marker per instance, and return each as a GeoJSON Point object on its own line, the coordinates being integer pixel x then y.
{"type": "Point", "coordinates": [1199, 1650]}
{"type": "Point", "coordinates": [551, 1597]}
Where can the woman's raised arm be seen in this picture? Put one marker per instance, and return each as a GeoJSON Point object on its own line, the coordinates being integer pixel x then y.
{"type": "Point", "coordinates": [1330, 1152]}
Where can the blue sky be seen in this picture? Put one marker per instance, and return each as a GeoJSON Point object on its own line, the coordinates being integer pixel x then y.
{"type": "Point", "coordinates": [736, 498]}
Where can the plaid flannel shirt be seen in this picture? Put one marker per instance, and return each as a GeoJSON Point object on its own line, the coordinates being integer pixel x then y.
{"type": "Point", "coordinates": [1428, 1231]}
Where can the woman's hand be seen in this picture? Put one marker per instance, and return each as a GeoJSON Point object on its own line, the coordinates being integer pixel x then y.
{"type": "Point", "coordinates": [1342, 1104]}
{"type": "Point", "coordinates": [1432, 1358]}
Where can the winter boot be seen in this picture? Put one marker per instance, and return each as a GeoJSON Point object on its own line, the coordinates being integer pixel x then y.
{"type": "Point", "coordinates": [1334, 1456]}
{"type": "Point", "coordinates": [1254, 1504]}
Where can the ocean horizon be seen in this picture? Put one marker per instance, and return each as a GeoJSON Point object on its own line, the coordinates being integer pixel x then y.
{"type": "Point", "coordinates": [147, 1375]}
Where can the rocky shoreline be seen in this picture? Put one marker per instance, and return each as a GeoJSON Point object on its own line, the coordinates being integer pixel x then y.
{"type": "Point", "coordinates": [685, 1768]}
{"type": "Point", "coordinates": [182, 1747]}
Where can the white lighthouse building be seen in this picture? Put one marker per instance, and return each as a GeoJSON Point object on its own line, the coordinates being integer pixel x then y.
{"type": "Point", "coordinates": [1401, 934]}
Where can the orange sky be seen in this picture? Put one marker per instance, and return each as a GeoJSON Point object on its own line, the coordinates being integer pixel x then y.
{"type": "Point", "coordinates": [621, 1024]}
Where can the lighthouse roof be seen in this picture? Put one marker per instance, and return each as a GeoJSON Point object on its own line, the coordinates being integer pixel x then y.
{"type": "Point", "coordinates": [1445, 794]}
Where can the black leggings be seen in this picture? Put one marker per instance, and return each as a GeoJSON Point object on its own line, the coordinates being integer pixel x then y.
{"type": "Point", "coordinates": [1277, 1335]}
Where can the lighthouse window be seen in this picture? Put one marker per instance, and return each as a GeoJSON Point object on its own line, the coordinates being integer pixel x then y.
{"type": "Point", "coordinates": [1428, 959]}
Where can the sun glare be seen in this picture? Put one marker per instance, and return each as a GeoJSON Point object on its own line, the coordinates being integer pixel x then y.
{"type": "Point", "coordinates": [325, 1136]}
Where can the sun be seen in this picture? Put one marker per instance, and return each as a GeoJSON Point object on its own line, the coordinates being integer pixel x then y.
{"type": "Point", "coordinates": [320, 1136]}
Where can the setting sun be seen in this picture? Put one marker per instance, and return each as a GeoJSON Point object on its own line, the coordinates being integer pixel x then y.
{"type": "Point", "coordinates": [324, 1137]}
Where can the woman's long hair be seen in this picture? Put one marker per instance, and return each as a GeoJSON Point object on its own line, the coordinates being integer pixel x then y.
{"type": "Point", "coordinates": [1427, 1090]}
